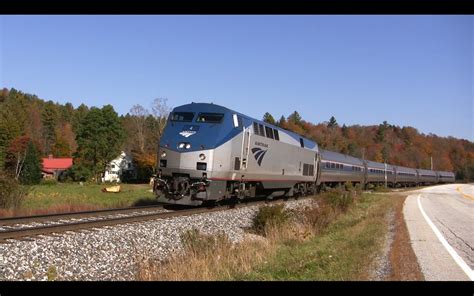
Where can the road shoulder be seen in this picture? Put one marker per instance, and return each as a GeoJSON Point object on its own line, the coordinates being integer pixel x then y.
{"type": "Point", "coordinates": [434, 260]}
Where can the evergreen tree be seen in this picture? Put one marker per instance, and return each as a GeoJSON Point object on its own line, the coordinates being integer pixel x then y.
{"type": "Point", "coordinates": [268, 118]}
{"type": "Point", "coordinates": [49, 118]}
{"type": "Point", "coordinates": [31, 171]}
{"type": "Point", "coordinates": [332, 122]}
{"type": "Point", "coordinates": [295, 118]}
{"type": "Point", "coordinates": [282, 121]}
{"type": "Point", "coordinates": [99, 139]}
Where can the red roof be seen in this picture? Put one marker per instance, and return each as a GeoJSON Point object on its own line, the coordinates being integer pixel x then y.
{"type": "Point", "coordinates": [56, 163]}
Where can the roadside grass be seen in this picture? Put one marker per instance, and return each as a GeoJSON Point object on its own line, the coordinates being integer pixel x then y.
{"type": "Point", "coordinates": [342, 251]}
{"type": "Point", "coordinates": [73, 197]}
{"type": "Point", "coordinates": [336, 238]}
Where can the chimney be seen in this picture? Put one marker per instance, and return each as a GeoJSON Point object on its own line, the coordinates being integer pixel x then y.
{"type": "Point", "coordinates": [50, 156]}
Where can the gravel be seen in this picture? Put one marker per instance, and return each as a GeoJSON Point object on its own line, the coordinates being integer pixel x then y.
{"type": "Point", "coordinates": [113, 252]}
{"type": "Point", "coordinates": [381, 266]}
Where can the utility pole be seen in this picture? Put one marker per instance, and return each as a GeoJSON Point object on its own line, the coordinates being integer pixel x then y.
{"type": "Point", "coordinates": [431, 160]}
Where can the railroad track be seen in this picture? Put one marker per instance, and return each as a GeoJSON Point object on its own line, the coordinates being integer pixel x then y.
{"type": "Point", "coordinates": [64, 223]}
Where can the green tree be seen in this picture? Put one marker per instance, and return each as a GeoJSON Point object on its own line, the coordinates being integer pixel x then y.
{"type": "Point", "coordinates": [295, 118]}
{"type": "Point", "coordinates": [332, 122]}
{"type": "Point", "coordinates": [31, 171]}
{"type": "Point", "coordinates": [268, 118]}
{"type": "Point", "coordinates": [99, 139]}
{"type": "Point", "coordinates": [50, 119]}
{"type": "Point", "coordinates": [282, 121]}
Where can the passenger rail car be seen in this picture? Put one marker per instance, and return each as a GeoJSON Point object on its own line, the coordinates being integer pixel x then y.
{"type": "Point", "coordinates": [209, 153]}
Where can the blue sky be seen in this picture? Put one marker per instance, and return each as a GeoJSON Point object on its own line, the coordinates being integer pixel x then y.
{"type": "Point", "coordinates": [408, 70]}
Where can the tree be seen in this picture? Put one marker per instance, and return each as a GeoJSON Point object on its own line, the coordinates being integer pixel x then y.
{"type": "Point", "coordinates": [344, 131]}
{"type": "Point", "coordinates": [160, 111]}
{"type": "Point", "coordinates": [268, 118]}
{"type": "Point", "coordinates": [282, 122]}
{"type": "Point", "coordinates": [139, 115]}
{"type": "Point", "coordinates": [332, 122]}
{"type": "Point", "coordinates": [49, 118]}
{"type": "Point", "coordinates": [16, 155]}
{"type": "Point", "coordinates": [294, 118]}
{"type": "Point", "coordinates": [99, 139]}
{"type": "Point", "coordinates": [31, 172]}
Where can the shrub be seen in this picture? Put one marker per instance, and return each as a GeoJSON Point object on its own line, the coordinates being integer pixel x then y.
{"type": "Point", "coordinates": [11, 193]}
{"type": "Point", "coordinates": [318, 217]}
{"type": "Point", "coordinates": [269, 215]}
{"type": "Point", "coordinates": [79, 173]}
{"type": "Point", "coordinates": [340, 199]}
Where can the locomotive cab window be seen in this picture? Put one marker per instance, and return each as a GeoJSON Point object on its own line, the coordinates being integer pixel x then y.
{"type": "Point", "coordinates": [210, 117]}
{"type": "Point", "coordinates": [276, 135]}
{"type": "Point", "coordinates": [182, 116]}
{"type": "Point", "coordinates": [255, 128]}
{"type": "Point", "coordinates": [269, 132]}
{"type": "Point", "coordinates": [261, 130]}
{"type": "Point", "coordinates": [301, 143]}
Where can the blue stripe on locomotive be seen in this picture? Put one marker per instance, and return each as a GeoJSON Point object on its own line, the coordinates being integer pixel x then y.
{"type": "Point", "coordinates": [211, 135]}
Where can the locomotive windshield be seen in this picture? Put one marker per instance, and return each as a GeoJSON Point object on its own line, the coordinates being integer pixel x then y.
{"type": "Point", "coordinates": [182, 116]}
{"type": "Point", "coordinates": [210, 117]}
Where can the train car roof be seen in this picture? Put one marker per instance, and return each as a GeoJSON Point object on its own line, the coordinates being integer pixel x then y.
{"type": "Point", "coordinates": [446, 173]}
{"type": "Point", "coordinates": [374, 164]}
{"type": "Point", "coordinates": [405, 169]}
{"type": "Point", "coordinates": [426, 171]}
{"type": "Point", "coordinates": [339, 157]}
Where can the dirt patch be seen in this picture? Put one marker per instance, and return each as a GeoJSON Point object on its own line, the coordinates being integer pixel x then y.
{"type": "Point", "coordinates": [403, 261]}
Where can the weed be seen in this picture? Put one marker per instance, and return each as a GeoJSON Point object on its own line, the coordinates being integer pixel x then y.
{"type": "Point", "coordinates": [269, 215]}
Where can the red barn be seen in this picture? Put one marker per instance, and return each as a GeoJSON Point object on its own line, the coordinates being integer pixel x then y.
{"type": "Point", "coordinates": [53, 167]}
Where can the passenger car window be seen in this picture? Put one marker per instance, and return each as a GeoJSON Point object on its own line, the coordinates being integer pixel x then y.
{"type": "Point", "coordinates": [182, 116]}
{"type": "Point", "coordinates": [210, 117]}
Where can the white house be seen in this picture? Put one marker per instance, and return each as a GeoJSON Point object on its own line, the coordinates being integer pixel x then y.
{"type": "Point", "coordinates": [118, 167]}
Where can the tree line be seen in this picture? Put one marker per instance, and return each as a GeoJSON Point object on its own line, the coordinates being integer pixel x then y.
{"type": "Point", "coordinates": [403, 146]}
{"type": "Point", "coordinates": [31, 128]}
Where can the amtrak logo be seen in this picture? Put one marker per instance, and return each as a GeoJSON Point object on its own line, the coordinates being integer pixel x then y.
{"type": "Point", "coordinates": [258, 153]}
{"type": "Point", "coordinates": [189, 130]}
{"type": "Point", "coordinates": [187, 134]}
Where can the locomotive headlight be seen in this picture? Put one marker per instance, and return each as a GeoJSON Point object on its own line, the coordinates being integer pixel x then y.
{"type": "Point", "coordinates": [188, 146]}
{"type": "Point", "coordinates": [202, 156]}
{"type": "Point", "coordinates": [181, 145]}
{"type": "Point", "coordinates": [163, 154]}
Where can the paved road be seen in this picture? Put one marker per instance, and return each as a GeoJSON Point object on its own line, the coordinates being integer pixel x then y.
{"type": "Point", "coordinates": [440, 221]}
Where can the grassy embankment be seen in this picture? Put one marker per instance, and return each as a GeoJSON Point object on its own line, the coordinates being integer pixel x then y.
{"type": "Point", "coordinates": [71, 197]}
{"type": "Point", "coordinates": [334, 239]}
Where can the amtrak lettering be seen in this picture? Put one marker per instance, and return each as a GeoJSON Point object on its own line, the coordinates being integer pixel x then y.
{"type": "Point", "coordinates": [261, 144]}
{"type": "Point", "coordinates": [258, 154]}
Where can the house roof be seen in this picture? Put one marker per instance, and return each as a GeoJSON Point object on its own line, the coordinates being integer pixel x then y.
{"type": "Point", "coordinates": [56, 163]}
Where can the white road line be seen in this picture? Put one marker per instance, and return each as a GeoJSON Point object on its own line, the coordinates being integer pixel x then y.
{"type": "Point", "coordinates": [451, 251]}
